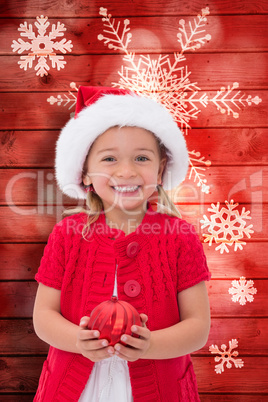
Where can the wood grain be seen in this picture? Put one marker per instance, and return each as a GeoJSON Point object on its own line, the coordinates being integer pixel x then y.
{"type": "Point", "coordinates": [18, 338]}
{"type": "Point", "coordinates": [235, 380]}
{"type": "Point", "coordinates": [28, 148]}
{"type": "Point", "coordinates": [17, 299]}
{"type": "Point", "coordinates": [209, 71]}
{"type": "Point", "coordinates": [14, 397]}
{"type": "Point", "coordinates": [25, 224]}
{"type": "Point", "coordinates": [63, 8]}
{"type": "Point", "coordinates": [20, 261]}
{"type": "Point", "coordinates": [250, 331]}
{"type": "Point", "coordinates": [20, 374]}
{"type": "Point", "coordinates": [221, 303]}
{"type": "Point", "coordinates": [251, 262]}
{"type": "Point", "coordinates": [226, 146]}
{"type": "Point", "coordinates": [232, 398]}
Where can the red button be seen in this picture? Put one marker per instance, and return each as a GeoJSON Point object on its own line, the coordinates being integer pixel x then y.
{"type": "Point", "coordinates": [132, 288]}
{"type": "Point", "coordinates": [132, 249]}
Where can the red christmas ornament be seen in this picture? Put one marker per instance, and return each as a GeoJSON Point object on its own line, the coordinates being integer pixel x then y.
{"type": "Point", "coordinates": [113, 318]}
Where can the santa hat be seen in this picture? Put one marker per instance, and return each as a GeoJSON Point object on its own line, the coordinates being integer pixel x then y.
{"type": "Point", "coordinates": [97, 110]}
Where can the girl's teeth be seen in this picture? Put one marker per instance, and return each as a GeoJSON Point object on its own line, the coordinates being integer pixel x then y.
{"type": "Point", "coordinates": [126, 189]}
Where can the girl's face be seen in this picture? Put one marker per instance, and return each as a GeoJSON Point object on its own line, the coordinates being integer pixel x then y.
{"type": "Point", "coordinates": [124, 167]}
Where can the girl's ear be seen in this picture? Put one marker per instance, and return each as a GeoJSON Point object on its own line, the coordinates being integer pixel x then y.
{"type": "Point", "coordinates": [162, 166]}
{"type": "Point", "coordinates": [85, 176]}
{"type": "Point", "coordinates": [86, 180]}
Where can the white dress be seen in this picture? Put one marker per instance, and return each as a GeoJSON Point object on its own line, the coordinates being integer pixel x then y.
{"type": "Point", "coordinates": [109, 380]}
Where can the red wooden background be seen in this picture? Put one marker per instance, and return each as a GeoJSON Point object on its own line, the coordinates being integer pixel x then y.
{"type": "Point", "coordinates": [30, 204]}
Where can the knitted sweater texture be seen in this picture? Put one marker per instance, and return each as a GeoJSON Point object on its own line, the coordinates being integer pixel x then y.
{"type": "Point", "coordinates": [163, 256]}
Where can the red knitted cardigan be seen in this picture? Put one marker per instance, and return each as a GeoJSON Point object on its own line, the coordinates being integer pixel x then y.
{"type": "Point", "coordinates": [168, 257]}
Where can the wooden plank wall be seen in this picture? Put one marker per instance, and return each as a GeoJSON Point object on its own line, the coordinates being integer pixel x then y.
{"type": "Point", "coordinates": [30, 204]}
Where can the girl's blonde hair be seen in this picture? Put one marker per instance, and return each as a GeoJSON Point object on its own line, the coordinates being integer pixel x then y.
{"type": "Point", "coordinates": [94, 204]}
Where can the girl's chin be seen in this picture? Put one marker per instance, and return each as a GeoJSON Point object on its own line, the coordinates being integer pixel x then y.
{"type": "Point", "coordinates": [129, 203]}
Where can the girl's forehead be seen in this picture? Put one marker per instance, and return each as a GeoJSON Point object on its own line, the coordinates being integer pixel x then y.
{"type": "Point", "coordinates": [126, 136]}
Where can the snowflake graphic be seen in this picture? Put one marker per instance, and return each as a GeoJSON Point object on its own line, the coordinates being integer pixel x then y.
{"type": "Point", "coordinates": [225, 100]}
{"type": "Point", "coordinates": [162, 79]}
{"type": "Point", "coordinates": [42, 46]}
{"type": "Point", "coordinates": [167, 81]}
{"type": "Point", "coordinates": [226, 356]}
{"type": "Point", "coordinates": [67, 100]}
{"type": "Point", "coordinates": [196, 171]}
{"type": "Point", "coordinates": [226, 226]}
{"type": "Point", "coordinates": [242, 291]}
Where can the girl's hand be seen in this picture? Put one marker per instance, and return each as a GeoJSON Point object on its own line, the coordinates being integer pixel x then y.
{"type": "Point", "coordinates": [89, 345]}
{"type": "Point", "coordinates": [135, 347]}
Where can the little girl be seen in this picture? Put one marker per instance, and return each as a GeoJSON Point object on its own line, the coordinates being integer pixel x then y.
{"type": "Point", "coordinates": [119, 153]}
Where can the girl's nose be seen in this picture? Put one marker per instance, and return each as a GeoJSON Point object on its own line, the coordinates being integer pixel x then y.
{"type": "Point", "coordinates": [126, 169]}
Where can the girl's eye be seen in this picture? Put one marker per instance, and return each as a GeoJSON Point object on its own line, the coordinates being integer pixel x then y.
{"type": "Point", "coordinates": [109, 159]}
{"type": "Point", "coordinates": [142, 158]}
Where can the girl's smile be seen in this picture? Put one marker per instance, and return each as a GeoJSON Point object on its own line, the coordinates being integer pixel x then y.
{"type": "Point", "coordinates": [128, 190]}
{"type": "Point", "coordinates": [124, 167]}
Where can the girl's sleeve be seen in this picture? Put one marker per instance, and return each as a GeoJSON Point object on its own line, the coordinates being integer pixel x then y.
{"type": "Point", "coordinates": [191, 264]}
{"type": "Point", "coordinates": [51, 269]}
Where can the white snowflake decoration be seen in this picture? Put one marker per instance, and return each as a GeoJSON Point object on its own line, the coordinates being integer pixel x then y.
{"type": "Point", "coordinates": [242, 291]}
{"type": "Point", "coordinates": [196, 171]}
{"type": "Point", "coordinates": [226, 226]}
{"type": "Point", "coordinates": [225, 100]}
{"type": "Point", "coordinates": [164, 80]}
{"type": "Point", "coordinates": [168, 81]}
{"type": "Point", "coordinates": [226, 356]}
{"type": "Point", "coordinates": [42, 46]}
{"type": "Point", "coordinates": [68, 100]}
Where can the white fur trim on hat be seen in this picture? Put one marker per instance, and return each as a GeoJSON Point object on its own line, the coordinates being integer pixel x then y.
{"type": "Point", "coordinates": [117, 110]}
